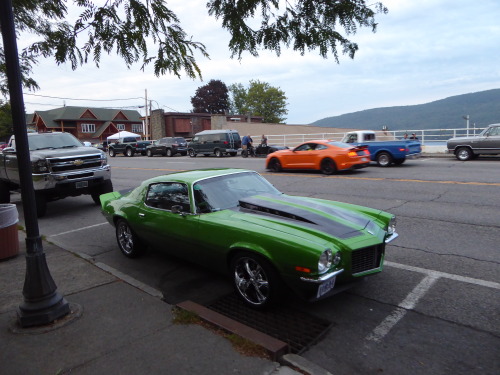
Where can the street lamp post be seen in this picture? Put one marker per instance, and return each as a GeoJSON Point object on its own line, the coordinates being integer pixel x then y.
{"type": "Point", "coordinates": [42, 303]}
{"type": "Point", "coordinates": [466, 118]}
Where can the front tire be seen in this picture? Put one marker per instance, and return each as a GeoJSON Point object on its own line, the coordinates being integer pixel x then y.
{"type": "Point", "coordinates": [4, 192]}
{"type": "Point", "coordinates": [328, 167]}
{"type": "Point", "coordinates": [275, 165]}
{"type": "Point", "coordinates": [464, 154]}
{"type": "Point", "coordinates": [104, 188]}
{"type": "Point", "coordinates": [255, 280]}
{"type": "Point", "coordinates": [191, 153]}
{"type": "Point", "coordinates": [130, 245]}
{"type": "Point", "coordinates": [168, 152]}
{"type": "Point", "coordinates": [112, 152]}
{"type": "Point", "coordinates": [384, 159]}
{"type": "Point", "coordinates": [218, 153]}
{"type": "Point", "coordinates": [149, 153]}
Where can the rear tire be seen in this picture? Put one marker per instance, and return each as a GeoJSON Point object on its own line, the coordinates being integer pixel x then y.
{"type": "Point", "coordinates": [112, 153]}
{"type": "Point", "coordinates": [129, 152]}
{"type": "Point", "coordinates": [191, 153]}
{"type": "Point", "coordinates": [384, 159]}
{"type": "Point", "coordinates": [149, 153]}
{"type": "Point", "coordinates": [218, 153]}
{"type": "Point", "coordinates": [130, 245]}
{"type": "Point", "coordinates": [328, 166]}
{"type": "Point", "coordinates": [168, 153]}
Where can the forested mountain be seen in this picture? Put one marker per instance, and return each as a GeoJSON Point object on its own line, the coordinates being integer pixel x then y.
{"type": "Point", "coordinates": [482, 107]}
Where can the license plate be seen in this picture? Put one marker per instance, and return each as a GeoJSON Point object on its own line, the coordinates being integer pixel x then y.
{"type": "Point", "coordinates": [82, 184]}
{"type": "Point", "coordinates": [326, 287]}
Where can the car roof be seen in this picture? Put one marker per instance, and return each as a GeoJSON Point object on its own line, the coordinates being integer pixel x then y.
{"type": "Point", "coordinates": [192, 176]}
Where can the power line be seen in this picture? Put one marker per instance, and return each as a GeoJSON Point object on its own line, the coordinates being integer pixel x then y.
{"type": "Point", "coordinates": [95, 100]}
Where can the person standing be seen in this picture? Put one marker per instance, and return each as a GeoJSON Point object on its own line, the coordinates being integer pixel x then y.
{"type": "Point", "coordinates": [246, 144]}
{"type": "Point", "coordinates": [263, 140]}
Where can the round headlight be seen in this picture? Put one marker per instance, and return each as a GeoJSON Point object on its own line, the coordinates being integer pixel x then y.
{"type": "Point", "coordinates": [325, 261]}
{"type": "Point", "coordinates": [391, 228]}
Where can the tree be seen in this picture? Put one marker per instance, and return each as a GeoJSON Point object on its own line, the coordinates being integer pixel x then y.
{"type": "Point", "coordinates": [6, 123]}
{"type": "Point", "coordinates": [131, 27]}
{"type": "Point", "coordinates": [211, 98]}
{"type": "Point", "coordinates": [261, 99]}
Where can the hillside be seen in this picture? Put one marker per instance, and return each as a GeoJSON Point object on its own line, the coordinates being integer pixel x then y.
{"type": "Point", "coordinates": [482, 107]}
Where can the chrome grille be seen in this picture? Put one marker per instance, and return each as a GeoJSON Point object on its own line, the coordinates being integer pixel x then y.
{"type": "Point", "coordinates": [366, 259]}
{"type": "Point", "coordinates": [74, 163]}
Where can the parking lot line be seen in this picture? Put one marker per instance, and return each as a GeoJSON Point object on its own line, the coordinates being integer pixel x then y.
{"type": "Point", "coordinates": [77, 230]}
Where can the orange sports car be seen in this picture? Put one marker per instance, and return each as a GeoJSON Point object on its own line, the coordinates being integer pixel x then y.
{"type": "Point", "coordinates": [324, 155]}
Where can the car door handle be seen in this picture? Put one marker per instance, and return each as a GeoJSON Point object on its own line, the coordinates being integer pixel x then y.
{"type": "Point", "coordinates": [141, 215]}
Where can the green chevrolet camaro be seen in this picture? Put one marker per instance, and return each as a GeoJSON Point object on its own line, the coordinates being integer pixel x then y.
{"type": "Point", "coordinates": [234, 220]}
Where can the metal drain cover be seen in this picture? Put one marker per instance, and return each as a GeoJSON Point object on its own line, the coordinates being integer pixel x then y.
{"type": "Point", "coordinates": [296, 328]}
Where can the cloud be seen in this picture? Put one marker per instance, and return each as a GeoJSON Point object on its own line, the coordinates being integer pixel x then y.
{"type": "Point", "coordinates": [422, 51]}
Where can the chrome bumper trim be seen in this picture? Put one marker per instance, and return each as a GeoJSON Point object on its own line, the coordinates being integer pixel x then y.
{"type": "Point", "coordinates": [322, 278]}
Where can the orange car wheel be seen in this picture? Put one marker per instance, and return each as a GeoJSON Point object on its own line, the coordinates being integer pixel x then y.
{"type": "Point", "coordinates": [275, 165]}
{"type": "Point", "coordinates": [328, 166]}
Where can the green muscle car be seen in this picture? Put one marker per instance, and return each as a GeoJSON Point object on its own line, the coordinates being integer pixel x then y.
{"type": "Point", "coordinates": [234, 220]}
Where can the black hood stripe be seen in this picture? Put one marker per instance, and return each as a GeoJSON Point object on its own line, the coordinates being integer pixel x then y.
{"type": "Point", "coordinates": [306, 217]}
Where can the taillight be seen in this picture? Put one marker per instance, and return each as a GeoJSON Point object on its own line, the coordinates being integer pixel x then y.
{"type": "Point", "coordinates": [367, 152]}
{"type": "Point", "coordinates": [352, 153]}
{"type": "Point", "coordinates": [226, 142]}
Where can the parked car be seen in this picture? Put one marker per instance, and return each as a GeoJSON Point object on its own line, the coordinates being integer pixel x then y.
{"type": "Point", "coordinates": [167, 146]}
{"type": "Point", "coordinates": [385, 153]}
{"type": "Point", "coordinates": [215, 142]}
{"type": "Point", "coordinates": [235, 221]}
{"type": "Point", "coordinates": [324, 155]}
{"type": "Point", "coordinates": [262, 150]}
{"type": "Point", "coordinates": [127, 146]}
{"type": "Point", "coordinates": [486, 143]}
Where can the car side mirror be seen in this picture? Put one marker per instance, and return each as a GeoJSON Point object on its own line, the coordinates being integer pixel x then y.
{"type": "Point", "coordinates": [9, 150]}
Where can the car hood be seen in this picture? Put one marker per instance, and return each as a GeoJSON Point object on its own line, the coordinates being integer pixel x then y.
{"type": "Point", "coordinates": [291, 215]}
{"type": "Point", "coordinates": [64, 152]}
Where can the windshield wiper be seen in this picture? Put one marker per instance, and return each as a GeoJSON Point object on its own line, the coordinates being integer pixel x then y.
{"type": "Point", "coordinates": [68, 146]}
{"type": "Point", "coordinates": [44, 148]}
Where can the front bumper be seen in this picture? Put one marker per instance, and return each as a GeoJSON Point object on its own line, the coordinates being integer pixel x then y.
{"type": "Point", "coordinates": [69, 180]}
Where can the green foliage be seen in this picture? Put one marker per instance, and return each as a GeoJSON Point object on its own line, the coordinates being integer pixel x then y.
{"type": "Point", "coordinates": [301, 24]}
{"type": "Point", "coordinates": [482, 107]}
{"type": "Point", "coordinates": [211, 98]}
{"type": "Point", "coordinates": [6, 123]}
{"type": "Point", "coordinates": [261, 99]}
{"type": "Point", "coordinates": [132, 28]}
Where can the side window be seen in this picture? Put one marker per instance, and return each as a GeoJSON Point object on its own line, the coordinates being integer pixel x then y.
{"type": "Point", "coordinates": [321, 147]}
{"type": "Point", "coordinates": [352, 138]}
{"type": "Point", "coordinates": [369, 137]}
{"type": "Point", "coordinates": [305, 147]}
{"type": "Point", "coordinates": [165, 195]}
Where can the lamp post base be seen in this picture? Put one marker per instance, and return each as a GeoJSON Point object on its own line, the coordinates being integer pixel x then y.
{"type": "Point", "coordinates": [42, 303]}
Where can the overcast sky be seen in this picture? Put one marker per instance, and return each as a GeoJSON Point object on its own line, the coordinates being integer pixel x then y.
{"type": "Point", "coordinates": [422, 51]}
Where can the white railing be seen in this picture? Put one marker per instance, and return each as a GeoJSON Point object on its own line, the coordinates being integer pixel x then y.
{"type": "Point", "coordinates": [426, 136]}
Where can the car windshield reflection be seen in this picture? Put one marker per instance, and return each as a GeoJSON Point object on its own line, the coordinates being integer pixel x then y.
{"type": "Point", "coordinates": [223, 192]}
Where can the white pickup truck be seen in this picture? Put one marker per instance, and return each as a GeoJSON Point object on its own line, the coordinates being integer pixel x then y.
{"type": "Point", "coordinates": [61, 167]}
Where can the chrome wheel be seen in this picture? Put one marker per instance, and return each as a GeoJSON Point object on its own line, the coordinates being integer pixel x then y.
{"type": "Point", "coordinates": [384, 159]}
{"type": "Point", "coordinates": [168, 152]}
{"type": "Point", "coordinates": [191, 153]}
{"type": "Point", "coordinates": [253, 280]}
{"type": "Point", "coordinates": [149, 153]}
{"type": "Point", "coordinates": [464, 154]}
{"type": "Point", "coordinates": [128, 242]}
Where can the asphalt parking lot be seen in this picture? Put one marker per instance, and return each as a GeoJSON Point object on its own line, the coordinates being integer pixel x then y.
{"type": "Point", "coordinates": [434, 308]}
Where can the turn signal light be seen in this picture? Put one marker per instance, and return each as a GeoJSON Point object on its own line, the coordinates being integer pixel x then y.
{"type": "Point", "coordinates": [302, 269]}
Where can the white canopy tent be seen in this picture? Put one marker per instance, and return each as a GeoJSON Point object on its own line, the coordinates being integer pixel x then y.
{"type": "Point", "coordinates": [123, 134]}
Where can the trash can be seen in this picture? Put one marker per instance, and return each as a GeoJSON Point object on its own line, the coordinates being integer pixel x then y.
{"type": "Point", "coordinates": [9, 239]}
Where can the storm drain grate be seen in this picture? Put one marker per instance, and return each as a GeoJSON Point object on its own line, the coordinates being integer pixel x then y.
{"type": "Point", "coordinates": [296, 328]}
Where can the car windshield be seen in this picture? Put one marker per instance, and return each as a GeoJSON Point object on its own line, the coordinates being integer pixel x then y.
{"type": "Point", "coordinates": [219, 193]}
{"type": "Point", "coordinates": [52, 140]}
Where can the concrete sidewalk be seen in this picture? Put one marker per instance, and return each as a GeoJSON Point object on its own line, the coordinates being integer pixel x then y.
{"type": "Point", "coordinates": [116, 326]}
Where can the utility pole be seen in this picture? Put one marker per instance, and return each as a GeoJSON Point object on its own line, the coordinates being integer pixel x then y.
{"type": "Point", "coordinates": [146, 122]}
{"type": "Point", "coordinates": [466, 118]}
